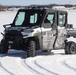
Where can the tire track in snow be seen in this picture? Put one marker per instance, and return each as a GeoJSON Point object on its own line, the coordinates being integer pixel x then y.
{"type": "Point", "coordinates": [36, 68]}
{"type": "Point", "coordinates": [55, 64]}
{"type": "Point", "coordinates": [70, 67]}
{"type": "Point", "coordinates": [3, 68]}
{"type": "Point", "coordinates": [23, 66]}
{"type": "Point", "coordinates": [65, 64]}
{"type": "Point", "coordinates": [13, 66]}
{"type": "Point", "coordinates": [45, 69]}
{"type": "Point", "coordinates": [32, 69]}
{"type": "Point", "coordinates": [8, 72]}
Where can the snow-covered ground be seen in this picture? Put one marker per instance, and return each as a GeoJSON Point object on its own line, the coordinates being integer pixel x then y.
{"type": "Point", "coordinates": [53, 63]}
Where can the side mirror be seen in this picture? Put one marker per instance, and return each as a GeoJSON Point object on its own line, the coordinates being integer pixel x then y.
{"type": "Point", "coordinates": [9, 25]}
{"type": "Point", "coordinates": [69, 26]}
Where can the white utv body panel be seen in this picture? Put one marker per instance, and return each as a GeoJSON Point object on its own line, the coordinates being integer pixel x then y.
{"type": "Point", "coordinates": [48, 38]}
{"type": "Point", "coordinates": [29, 33]}
{"type": "Point", "coordinates": [45, 35]}
{"type": "Point", "coordinates": [61, 37]}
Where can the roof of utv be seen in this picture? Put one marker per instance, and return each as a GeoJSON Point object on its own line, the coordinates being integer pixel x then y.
{"type": "Point", "coordinates": [41, 8]}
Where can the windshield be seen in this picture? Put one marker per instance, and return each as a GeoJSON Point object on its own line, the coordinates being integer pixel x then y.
{"type": "Point", "coordinates": [28, 18]}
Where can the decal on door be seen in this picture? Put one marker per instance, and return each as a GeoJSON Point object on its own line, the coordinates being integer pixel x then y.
{"type": "Point", "coordinates": [61, 38]}
{"type": "Point", "coordinates": [48, 39]}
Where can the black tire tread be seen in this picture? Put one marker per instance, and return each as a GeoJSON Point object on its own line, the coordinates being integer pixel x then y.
{"type": "Point", "coordinates": [68, 47]}
{"type": "Point", "coordinates": [3, 47]}
{"type": "Point", "coordinates": [31, 49]}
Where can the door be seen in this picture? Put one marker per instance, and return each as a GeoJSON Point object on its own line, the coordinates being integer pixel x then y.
{"type": "Point", "coordinates": [62, 32]}
{"type": "Point", "coordinates": [48, 31]}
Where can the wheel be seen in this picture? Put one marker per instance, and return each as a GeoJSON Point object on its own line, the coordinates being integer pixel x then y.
{"type": "Point", "coordinates": [70, 48]}
{"type": "Point", "coordinates": [3, 47]}
{"type": "Point", "coordinates": [31, 49]}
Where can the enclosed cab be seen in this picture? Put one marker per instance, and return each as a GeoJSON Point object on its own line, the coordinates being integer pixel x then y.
{"type": "Point", "coordinates": [37, 29]}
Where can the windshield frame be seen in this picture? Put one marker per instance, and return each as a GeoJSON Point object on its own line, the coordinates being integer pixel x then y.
{"type": "Point", "coordinates": [28, 25]}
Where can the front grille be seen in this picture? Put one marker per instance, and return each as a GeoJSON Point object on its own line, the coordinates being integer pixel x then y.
{"type": "Point", "coordinates": [11, 35]}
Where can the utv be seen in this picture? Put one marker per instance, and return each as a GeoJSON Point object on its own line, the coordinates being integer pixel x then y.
{"type": "Point", "coordinates": [38, 29]}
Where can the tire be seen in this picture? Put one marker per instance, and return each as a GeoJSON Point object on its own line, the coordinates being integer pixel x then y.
{"type": "Point", "coordinates": [3, 47]}
{"type": "Point", "coordinates": [31, 49]}
{"type": "Point", "coordinates": [70, 48]}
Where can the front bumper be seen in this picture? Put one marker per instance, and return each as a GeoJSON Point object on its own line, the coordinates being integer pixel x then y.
{"type": "Point", "coordinates": [14, 39]}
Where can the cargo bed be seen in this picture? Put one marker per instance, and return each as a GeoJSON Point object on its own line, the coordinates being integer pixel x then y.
{"type": "Point", "coordinates": [71, 32]}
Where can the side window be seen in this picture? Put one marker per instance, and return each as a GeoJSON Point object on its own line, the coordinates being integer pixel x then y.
{"type": "Point", "coordinates": [62, 20]}
{"type": "Point", "coordinates": [33, 18]}
{"type": "Point", "coordinates": [50, 18]}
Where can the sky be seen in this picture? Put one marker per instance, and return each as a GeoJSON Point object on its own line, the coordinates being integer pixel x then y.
{"type": "Point", "coordinates": [41, 2]}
